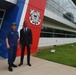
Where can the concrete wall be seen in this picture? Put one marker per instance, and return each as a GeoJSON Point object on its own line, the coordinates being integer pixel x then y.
{"type": "Point", "coordinates": [12, 1]}
{"type": "Point", "coordinates": [55, 41]}
{"type": "Point", "coordinates": [50, 14]}
{"type": "Point", "coordinates": [56, 25]}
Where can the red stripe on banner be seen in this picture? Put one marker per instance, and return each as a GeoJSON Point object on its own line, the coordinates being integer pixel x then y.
{"type": "Point", "coordinates": [34, 18]}
{"type": "Point", "coordinates": [40, 4]}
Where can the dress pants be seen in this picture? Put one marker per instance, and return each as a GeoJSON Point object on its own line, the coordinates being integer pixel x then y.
{"type": "Point", "coordinates": [12, 54]}
{"type": "Point", "coordinates": [28, 53]}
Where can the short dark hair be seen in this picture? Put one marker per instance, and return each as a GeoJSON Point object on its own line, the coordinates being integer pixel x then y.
{"type": "Point", "coordinates": [24, 23]}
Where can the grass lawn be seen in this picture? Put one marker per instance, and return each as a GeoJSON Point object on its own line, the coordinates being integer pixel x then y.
{"type": "Point", "coordinates": [65, 54]}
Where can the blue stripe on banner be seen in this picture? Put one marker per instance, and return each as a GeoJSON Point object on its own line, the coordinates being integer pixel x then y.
{"type": "Point", "coordinates": [20, 4]}
{"type": "Point", "coordinates": [12, 15]}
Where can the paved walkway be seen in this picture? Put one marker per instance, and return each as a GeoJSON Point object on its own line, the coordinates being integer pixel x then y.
{"type": "Point", "coordinates": [39, 67]}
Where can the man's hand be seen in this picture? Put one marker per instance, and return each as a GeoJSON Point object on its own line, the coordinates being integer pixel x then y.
{"type": "Point", "coordinates": [30, 45]}
{"type": "Point", "coordinates": [8, 46]}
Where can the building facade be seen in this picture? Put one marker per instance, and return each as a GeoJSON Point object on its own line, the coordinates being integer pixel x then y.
{"type": "Point", "coordinates": [52, 22]}
{"type": "Point", "coordinates": [59, 24]}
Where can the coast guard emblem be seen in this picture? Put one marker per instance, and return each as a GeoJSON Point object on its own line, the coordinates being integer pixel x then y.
{"type": "Point", "coordinates": [34, 17]}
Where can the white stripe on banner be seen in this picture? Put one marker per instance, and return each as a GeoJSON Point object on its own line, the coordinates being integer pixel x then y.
{"type": "Point", "coordinates": [23, 15]}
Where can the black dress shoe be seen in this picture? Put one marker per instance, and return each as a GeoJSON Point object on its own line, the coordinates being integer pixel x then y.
{"type": "Point", "coordinates": [20, 64]}
{"type": "Point", "coordinates": [13, 65]}
{"type": "Point", "coordinates": [10, 69]}
{"type": "Point", "coordinates": [29, 64]}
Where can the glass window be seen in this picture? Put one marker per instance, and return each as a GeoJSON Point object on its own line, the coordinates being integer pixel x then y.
{"type": "Point", "coordinates": [64, 8]}
{"type": "Point", "coordinates": [50, 32]}
{"type": "Point", "coordinates": [2, 12]}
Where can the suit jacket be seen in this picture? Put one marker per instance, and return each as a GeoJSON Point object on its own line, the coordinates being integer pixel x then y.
{"type": "Point", "coordinates": [26, 37]}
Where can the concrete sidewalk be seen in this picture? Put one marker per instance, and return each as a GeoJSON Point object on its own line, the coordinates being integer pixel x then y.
{"type": "Point", "coordinates": [39, 67]}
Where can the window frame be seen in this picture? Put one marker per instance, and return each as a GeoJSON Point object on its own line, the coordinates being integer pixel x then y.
{"type": "Point", "coordinates": [56, 33]}
{"type": "Point", "coordinates": [2, 17]}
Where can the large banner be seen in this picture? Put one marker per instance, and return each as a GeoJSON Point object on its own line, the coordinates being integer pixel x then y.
{"type": "Point", "coordinates": [34, 18]}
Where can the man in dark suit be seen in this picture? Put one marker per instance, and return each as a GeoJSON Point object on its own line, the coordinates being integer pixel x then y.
{"type": "Point", "coordinates": [25, 41]}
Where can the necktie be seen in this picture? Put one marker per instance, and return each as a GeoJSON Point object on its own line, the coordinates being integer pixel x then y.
{"type": "Point", "coordinates": [24, 29]}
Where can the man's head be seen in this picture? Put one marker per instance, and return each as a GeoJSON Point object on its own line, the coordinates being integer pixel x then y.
{"type": "Point", "coordinates": [13, 26]}
{"type": "Point", "coordinates": [25, 24]}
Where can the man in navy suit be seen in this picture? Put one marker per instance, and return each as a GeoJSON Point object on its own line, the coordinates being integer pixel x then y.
{"type": "Point", "coordinates": [25, 41]}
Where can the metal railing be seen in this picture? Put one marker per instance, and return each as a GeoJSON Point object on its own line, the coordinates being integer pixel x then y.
{"type": "Point", "coordinates": [57, 35]}
{"type": "Point", "coordinates": [51, 32]}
